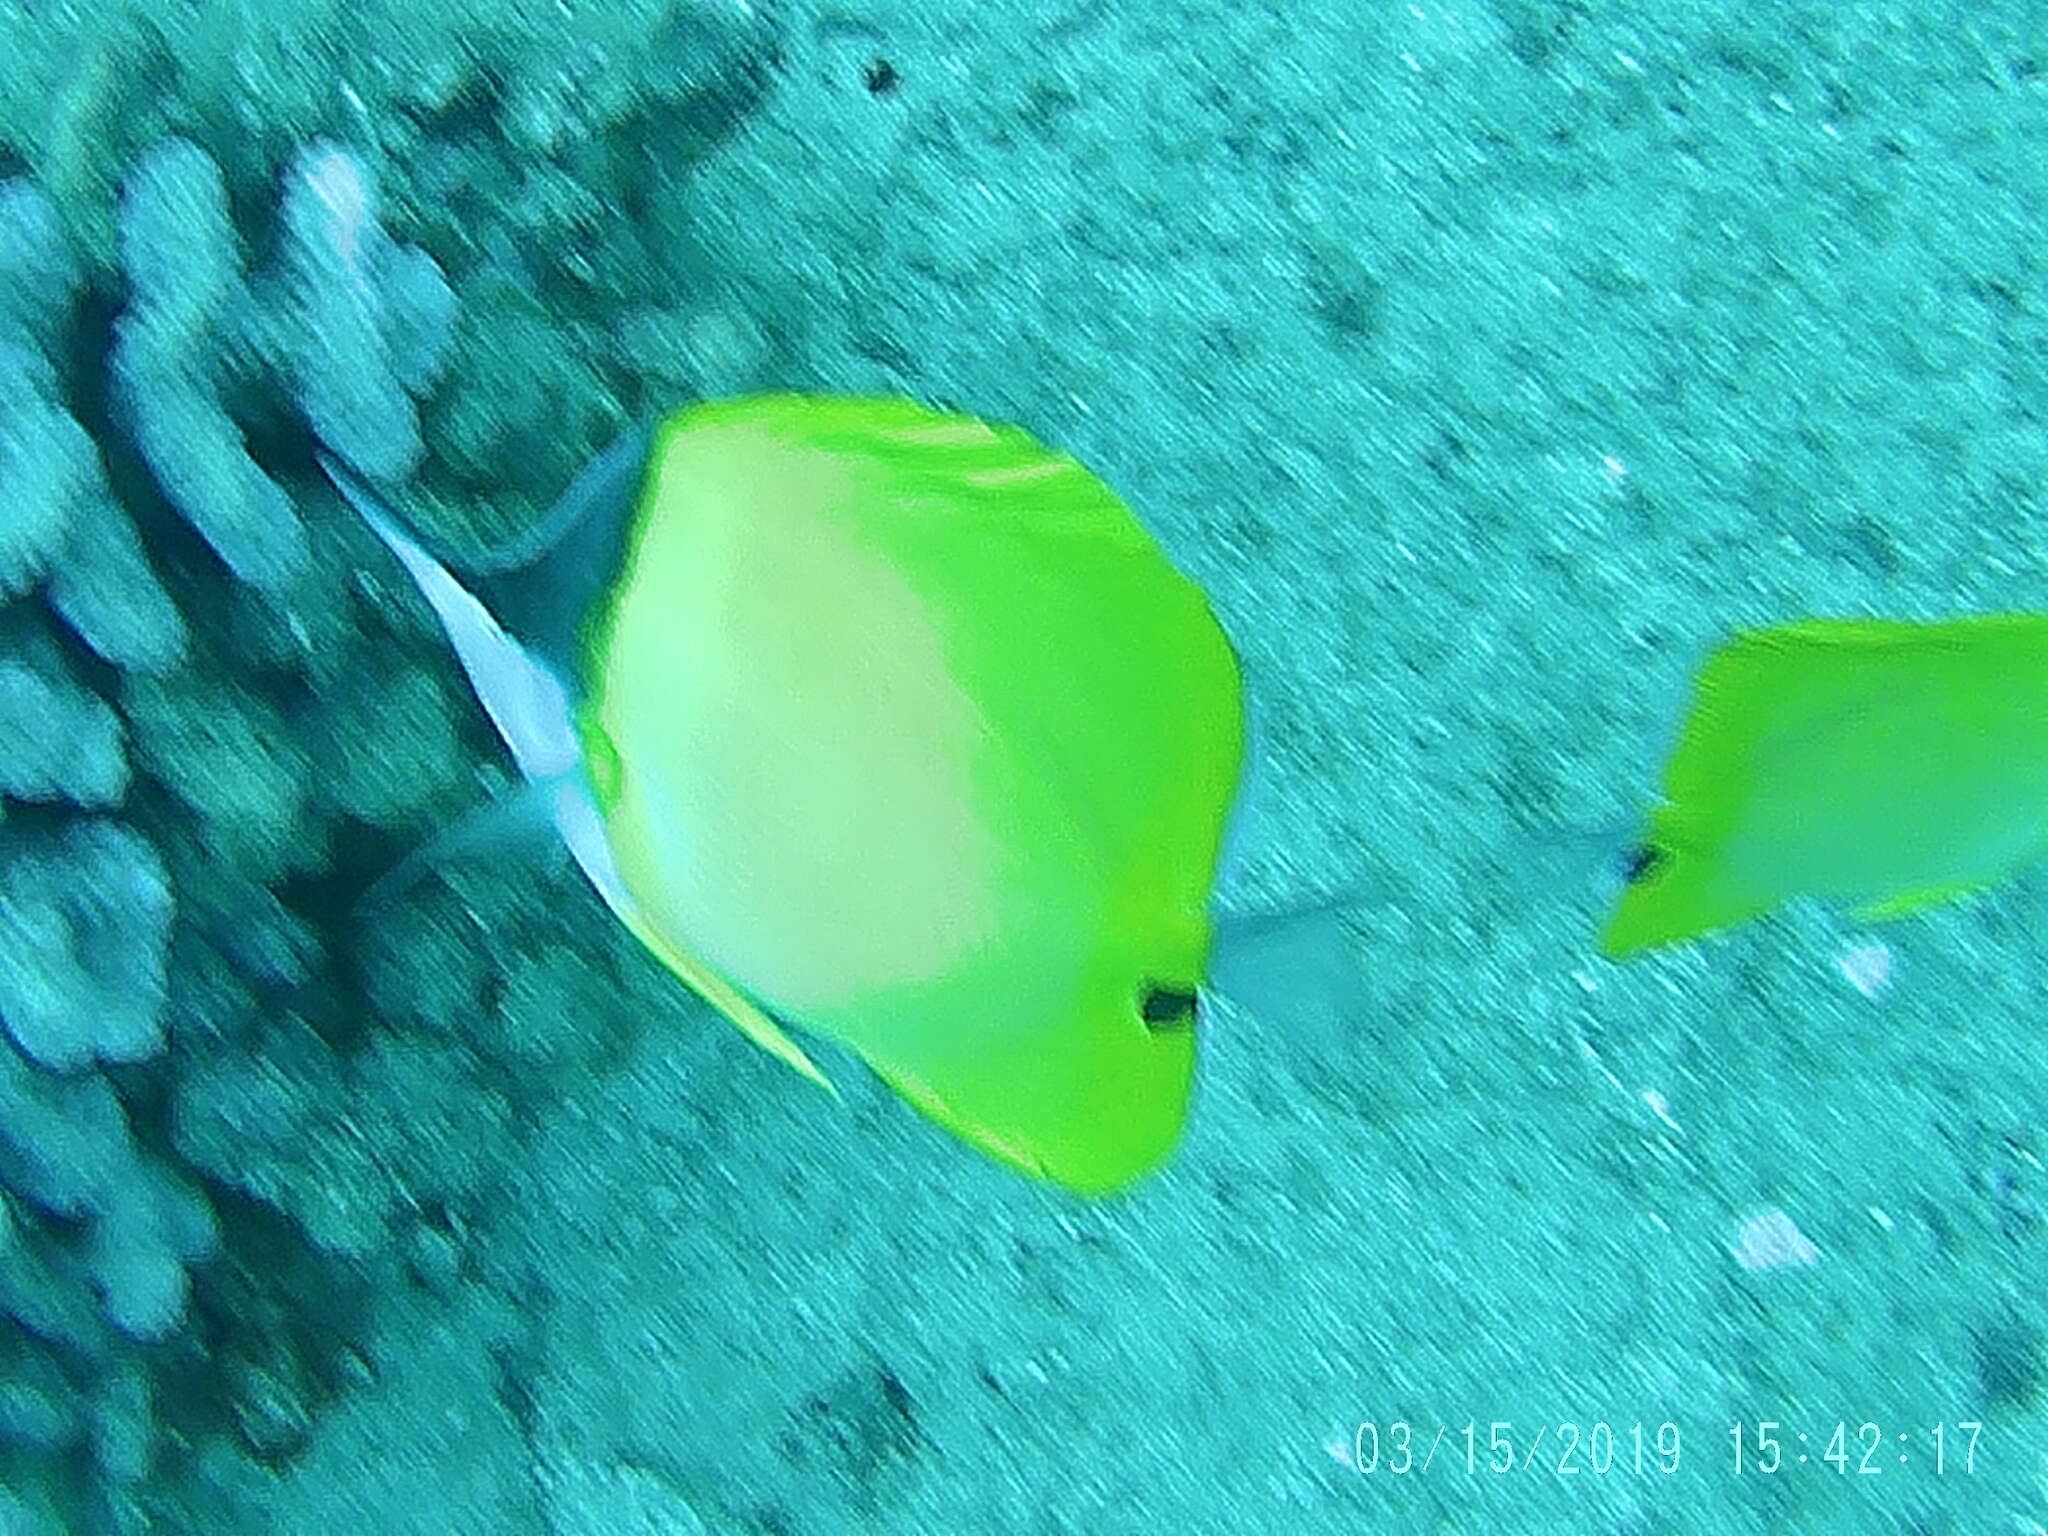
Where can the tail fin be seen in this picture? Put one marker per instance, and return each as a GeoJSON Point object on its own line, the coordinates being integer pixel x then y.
{"type": "Point", "coordinates": [1294, 966]}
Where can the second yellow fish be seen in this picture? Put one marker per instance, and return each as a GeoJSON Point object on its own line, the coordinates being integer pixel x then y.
{"type": "Point", "coordinates": [1877, 764]}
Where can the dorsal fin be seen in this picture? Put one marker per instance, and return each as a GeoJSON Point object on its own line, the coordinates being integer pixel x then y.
{"type": "Point", "coordinates": [543, 583]}
{"type": "Point", "coordinates": [539, 585]}
{"type": "Point", "coordinates": [525, 697]}
{"type": "Point", "coordinates": [522, 687]}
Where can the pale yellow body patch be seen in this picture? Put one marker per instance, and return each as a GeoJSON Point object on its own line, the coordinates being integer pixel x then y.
{"type": "Point", "coordinates": [799, 811]}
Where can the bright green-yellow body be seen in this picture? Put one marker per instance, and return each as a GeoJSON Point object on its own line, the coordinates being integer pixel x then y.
{"type": "Point", "coordinates": [904, 729]}
{"type": "Point", "coordinates": [1879, 765]}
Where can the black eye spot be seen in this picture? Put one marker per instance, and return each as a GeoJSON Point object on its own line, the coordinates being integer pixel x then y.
{"type": "Point", "coordinates": [881, 78]}
{"type": "Point", "coordinates": [1167, 1008]}
{"type": "Point", "coordinates": [1643, 862]}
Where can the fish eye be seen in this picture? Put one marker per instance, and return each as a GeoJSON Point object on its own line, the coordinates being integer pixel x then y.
{"type": "Point", "coordinates": [1166, 1007]}
{"type": "Point", "coordinates": [1645, 861]}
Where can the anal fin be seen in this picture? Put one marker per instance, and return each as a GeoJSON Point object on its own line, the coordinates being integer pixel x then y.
{"type": "Point", "coordinates": [1906, 903]}
{"type": "Point", "coordinates": [745, 1015]}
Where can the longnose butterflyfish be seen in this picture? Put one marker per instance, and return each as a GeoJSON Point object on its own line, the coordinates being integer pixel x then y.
{"type": "Point", "coordinates": [1880, 766]}
{"type": "Point", "coordinates": [890, 724]}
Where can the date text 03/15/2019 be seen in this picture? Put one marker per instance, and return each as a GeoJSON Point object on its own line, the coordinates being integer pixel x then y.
{"type": "Point", "coordinates": [1402, 1448]}
{"type": "Point", "coordinates": [1766, 1447]}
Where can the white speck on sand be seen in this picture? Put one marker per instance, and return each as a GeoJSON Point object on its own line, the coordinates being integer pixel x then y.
{"type": "Point", "coordinates": [1867, 967]}
{"type": "Point", "coordinates": [1773, 1241]}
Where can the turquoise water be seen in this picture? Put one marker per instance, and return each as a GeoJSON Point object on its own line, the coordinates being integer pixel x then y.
{"type": "Point", "coordinates": [1486, 362]}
